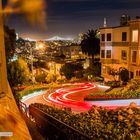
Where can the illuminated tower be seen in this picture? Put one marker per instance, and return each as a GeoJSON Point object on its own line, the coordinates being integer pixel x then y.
{"type": "Point", "coordinates": [105, 25]}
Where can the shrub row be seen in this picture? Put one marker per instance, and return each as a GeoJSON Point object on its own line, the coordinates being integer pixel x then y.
{"type": "Point", "coordinates": [100, 123]}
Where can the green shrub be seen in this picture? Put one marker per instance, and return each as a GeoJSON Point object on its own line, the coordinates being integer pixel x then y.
{"type": "Point", "coordinates": [100, 123]}
{"type": "Point", "coordinates": [41, 78]}
{"type": "Point", "coordinates": [113, 83]}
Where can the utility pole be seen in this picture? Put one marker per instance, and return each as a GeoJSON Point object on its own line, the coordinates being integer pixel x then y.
{"type": "Point", "coordinates": [32, 67]}
{"type": "Point", "coordinates": [3, 70]}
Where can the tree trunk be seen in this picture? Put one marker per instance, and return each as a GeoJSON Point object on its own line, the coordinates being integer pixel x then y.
{"type": "Point", "coordinates": [92, 61]}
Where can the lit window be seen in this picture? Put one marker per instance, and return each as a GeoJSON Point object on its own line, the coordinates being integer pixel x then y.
{"type": "Point", "coordinates": [108, 54]}
{"type": "Point", "coordinates": [135, 36]}
{"type": "Point", "coordinates": [124, 55]}
{"type": "Point", "coordinates": [102, 53]}
{"type": "Point", "coordinates": [134, 56]}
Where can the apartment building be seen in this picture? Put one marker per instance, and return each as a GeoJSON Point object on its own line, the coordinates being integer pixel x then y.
{"type": "Point", "coordinates": [120, 47]}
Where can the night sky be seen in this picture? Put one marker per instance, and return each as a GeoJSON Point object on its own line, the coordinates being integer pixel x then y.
{"type": "Point", "coordinates": [68, 18]}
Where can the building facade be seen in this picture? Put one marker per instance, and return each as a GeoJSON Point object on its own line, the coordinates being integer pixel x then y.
{"type": "Point", "coordinates": [120, 47]}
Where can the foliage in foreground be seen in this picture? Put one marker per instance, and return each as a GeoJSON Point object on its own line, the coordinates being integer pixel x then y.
{"type": "Point", "coordinates": [100, 123]}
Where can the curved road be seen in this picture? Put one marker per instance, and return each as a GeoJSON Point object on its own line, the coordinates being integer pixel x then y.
{"type": "Point", "coordinates": [72, 96]}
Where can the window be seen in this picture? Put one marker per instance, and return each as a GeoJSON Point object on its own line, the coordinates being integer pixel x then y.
{"type": "Point", "coordinates": [108, 54]}
{"type": "Point", "coordinates": [109, 37]}
{"type": "Point", "coordinates": [134, 56]}
{"type": "Point", "coordinates": [137, 73]}
{"type": "Point", "coordinates": [102, 53]}
{"type": "Point", "coordinates": [102, 37]}
{"type": "Point", "coordinates": [124, 55]}
{"type": "Point", "coordinates": [135, 36]}
{"type": "Point", "coordinates": [124, 36]}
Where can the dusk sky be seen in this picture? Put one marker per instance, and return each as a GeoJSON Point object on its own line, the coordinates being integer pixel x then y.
{"type": "Point", "coordinates": [68, 18]}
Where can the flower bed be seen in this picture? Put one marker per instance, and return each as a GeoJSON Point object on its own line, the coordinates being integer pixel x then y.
{"type": "Point", "coordinates": [130, 91]}
{"type": "Point", "coordinates": [101, 123]}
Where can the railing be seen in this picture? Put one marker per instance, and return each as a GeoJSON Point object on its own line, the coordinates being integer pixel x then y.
{"type": "Point", "coordinates": [127, 44]}
{"type": "Point", "coordinates": [52, 128]}
{"type": "Point", "coordinates": [24, 109]}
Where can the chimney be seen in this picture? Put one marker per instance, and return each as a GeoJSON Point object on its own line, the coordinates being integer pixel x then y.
{"type": "Point", "coordinates": [124, 20]}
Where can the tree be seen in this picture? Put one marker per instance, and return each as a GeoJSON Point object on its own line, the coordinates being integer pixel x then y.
{"type": "Point", "coordinates": [70, 70]}
{"type": "Point", "coordinates": [18, 72]}
{"type": "Point", "coordinates": [113, 72]}
{"type": "Point", "coordinates": [41, 64]}
{"type": "Point", "coordinates": [41, 78]}
{"type": "Point", "coordinates": [90, 44]}
{"type": "Point", "coordinates": [50, 78]}
{"type": "Point", "coordinates": [124, 74]}
{"type": "Point", "coordinates": [93, 71]}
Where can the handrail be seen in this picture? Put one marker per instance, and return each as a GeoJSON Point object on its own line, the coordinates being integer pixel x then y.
{"type": "Point", "coordinates": [23, 107]}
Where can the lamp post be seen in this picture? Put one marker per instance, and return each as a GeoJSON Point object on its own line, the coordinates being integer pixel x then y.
{"type": "Point", "coordinates": [32, 67]}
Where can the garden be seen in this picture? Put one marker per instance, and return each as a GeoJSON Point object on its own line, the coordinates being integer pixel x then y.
{"type": "Point", "coordinates": [130, 91]}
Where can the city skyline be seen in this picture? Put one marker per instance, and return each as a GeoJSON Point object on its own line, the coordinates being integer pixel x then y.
{"type": "Point", "coordinates": [71, 17]}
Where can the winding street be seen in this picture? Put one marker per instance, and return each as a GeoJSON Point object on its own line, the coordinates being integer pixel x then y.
{"type": "Point", "coordinates": [72, 95]}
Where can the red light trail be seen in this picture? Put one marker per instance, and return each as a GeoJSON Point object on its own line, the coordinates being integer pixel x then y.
{"type": "Point", "coordinates": [72, 96]}
{"type": "Point", "coordinates": [61, 97]}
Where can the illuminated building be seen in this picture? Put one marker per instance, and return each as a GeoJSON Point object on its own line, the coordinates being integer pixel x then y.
{"type": "Point", "coordinates": [120, 47]}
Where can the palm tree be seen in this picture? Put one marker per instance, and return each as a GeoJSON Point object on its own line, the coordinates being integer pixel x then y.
{"type": "Point", "coordinates": [90, 44]}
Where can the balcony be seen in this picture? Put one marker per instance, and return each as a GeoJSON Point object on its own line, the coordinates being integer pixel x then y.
{"type": "Point", "coordinates": [110, 61]}
{"type": "Point", "coordinates": [115, 44]}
